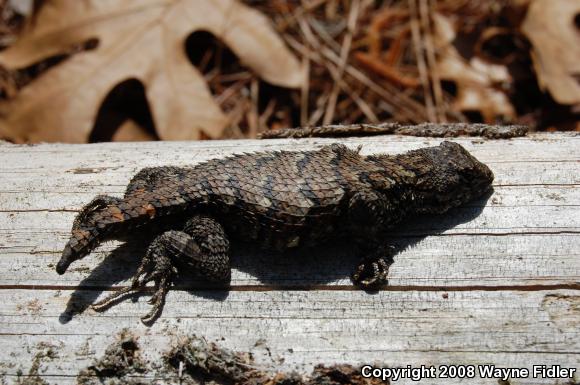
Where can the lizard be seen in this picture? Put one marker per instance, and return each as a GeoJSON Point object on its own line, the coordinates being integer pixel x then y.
{"type": "Point", "coordinates": [279, 200]}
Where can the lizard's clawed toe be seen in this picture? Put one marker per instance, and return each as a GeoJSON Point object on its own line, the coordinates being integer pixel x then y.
{"type": "Point", "coordinates": [114, 298]}
{"type": "Point", "coordinates": [151, 316]}
{"type": "Point", "coordinates": [371, 274]}
{"type": "Point", "coordinates": [145, 274]}
{"type": "Point", "coordinates": [157, 301]}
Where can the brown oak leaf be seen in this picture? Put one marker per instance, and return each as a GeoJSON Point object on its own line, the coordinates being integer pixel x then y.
{"type": "Point", "coordinates": [480, 85]}
{"type": "Point", "coordinates": [137, 39]}
{"type": "Point", "coordinates": [551, 26]}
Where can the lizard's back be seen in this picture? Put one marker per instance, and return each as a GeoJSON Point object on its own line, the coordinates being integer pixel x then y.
{"type": "Point", "coordinates": [277, 199]}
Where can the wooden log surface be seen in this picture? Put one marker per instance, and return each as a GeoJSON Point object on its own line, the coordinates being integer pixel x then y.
{"type": "Point", "coordinates": [494, 282]}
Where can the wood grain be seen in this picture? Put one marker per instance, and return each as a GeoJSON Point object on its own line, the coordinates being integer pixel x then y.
{"type": "Point", "coordinates": [497, 281]}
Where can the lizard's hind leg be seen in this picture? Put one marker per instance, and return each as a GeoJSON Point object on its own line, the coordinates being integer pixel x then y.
{"type": "Point", "coordinates": [212, 260]}
{"type": "Point", "coordinates": [202, 245]}
{"type": "Point", "coordinates": [156, 267]}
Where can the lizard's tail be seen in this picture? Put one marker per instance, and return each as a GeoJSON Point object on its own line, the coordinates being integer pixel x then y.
{"type": "Point", "coordinates": [81, 243]}
{"type": "Point", "coordinates": [99, 224]}
{"type": "Point", "coordinates": [68, 256]}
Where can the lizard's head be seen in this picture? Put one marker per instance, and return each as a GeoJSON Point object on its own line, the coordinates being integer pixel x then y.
{"type": "Point", "coordinates": [447, 176]}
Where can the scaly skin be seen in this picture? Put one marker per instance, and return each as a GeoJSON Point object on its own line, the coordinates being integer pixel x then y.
{"type": "Point", "coordinates": [278, 200]}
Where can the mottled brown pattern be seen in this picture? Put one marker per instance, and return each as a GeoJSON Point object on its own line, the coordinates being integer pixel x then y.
{"type": "Point", "coordinates": [435, 130]}
{"type": "Point", "coordinates": [277, 200]}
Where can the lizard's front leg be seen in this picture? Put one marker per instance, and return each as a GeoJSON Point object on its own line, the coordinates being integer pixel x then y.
{"type": "Point", "coordinates": [202, 245]}
{"type": "Point", "coordinates": [373, 269]}
{"type": "Point", "coordinates": [368, 212]}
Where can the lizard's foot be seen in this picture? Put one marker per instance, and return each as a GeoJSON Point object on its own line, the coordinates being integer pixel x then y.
{"type": "Point", "coordinates": [202, 246]}
{"type": "Point", "coordinates": [155, 268]}
{"type": "Point", "coordinates": [371, 273]}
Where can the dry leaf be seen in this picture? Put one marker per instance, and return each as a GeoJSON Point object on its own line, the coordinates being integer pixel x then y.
{"type": "Point", "coordinates": [550, 26]}
{"type": "Point", "coordinates": [141, 39]}
{"type": "Point", "coordinates": [476, 79]}
{"type": "Point", "coordinates": [129, 131]}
